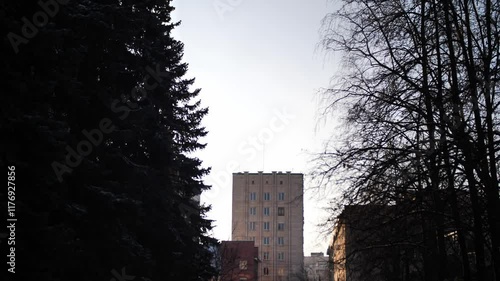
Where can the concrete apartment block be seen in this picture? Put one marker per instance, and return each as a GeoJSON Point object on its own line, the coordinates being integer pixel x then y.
{"type": "Point", "coordinates": [268, 209]}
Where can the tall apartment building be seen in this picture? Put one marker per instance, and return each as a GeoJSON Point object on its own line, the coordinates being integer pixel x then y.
{"type": "Point", "coordinates": [268, 209]}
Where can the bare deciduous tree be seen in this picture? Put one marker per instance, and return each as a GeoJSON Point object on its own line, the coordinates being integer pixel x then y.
{"type": "Point", "coordinates": [420, 86]}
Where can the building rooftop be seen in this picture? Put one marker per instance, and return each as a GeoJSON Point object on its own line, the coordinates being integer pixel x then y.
{"type": "Point", "coordinates": [261, 172]}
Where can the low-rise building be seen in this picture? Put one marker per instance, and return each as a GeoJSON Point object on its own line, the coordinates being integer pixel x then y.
{"type": "Point", "coordinates": [316, 267]}
{"type": "Point", "coordinates": [374, 242]}
{"type": "Point", "coordinates": [239, 261]}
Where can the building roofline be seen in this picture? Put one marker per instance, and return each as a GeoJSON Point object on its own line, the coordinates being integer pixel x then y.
{"type": "Point", "coordinates": [268, 173]}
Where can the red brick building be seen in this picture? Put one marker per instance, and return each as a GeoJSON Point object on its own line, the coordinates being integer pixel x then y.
{"type": "Point", "coordinates": [239, 261]}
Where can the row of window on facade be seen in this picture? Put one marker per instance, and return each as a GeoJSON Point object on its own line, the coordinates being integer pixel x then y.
{"type": "Point", "coordinates": [267, 182]}
{"type": "Point", "coordinates": [266, 271]}
{"type": "Point", "coordinates": [267, 196]}
{"type": "Point", "coordinates": [267, 240]}
{"type": "Point", "coordinates": [266, 256]}
{"type": "Point", "coordinates": [267, 211]}
{"type": "Point", "coordinates": [281, 271]}
{"type": "Point", "coordinates": [252, 226]}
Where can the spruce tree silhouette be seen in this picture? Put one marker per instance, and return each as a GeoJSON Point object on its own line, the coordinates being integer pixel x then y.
{"type": "Point", "coordinates": [100, 122]}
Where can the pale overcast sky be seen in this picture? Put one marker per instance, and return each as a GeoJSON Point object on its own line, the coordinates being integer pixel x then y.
{"type": "Point", "coordinates": [259, 68]}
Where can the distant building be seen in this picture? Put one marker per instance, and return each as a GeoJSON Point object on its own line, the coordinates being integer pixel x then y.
{"type": "Point", "coordinates": [390, 242]}
{"type": "Point", "coordinates": [239, 261]}
{"type": "Point", "coordinates": [268, 209]}
{"type": "Point", "coordinates": [371, 242]}
{"type": "Point", "coordinates": [316, 267]}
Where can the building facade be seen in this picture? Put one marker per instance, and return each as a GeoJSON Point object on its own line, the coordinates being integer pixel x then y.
{"type": "Point", "coordinates": [375, 243]}
{"type": "Point", "coordinates": [316, 267]}
{"type": "Point", "coordinates": [268, 209]}
{"type": "Point", "coordinates": [239, 261]}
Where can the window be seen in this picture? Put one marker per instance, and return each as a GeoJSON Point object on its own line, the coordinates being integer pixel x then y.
{"type": "Point", "coordinates": [243, 264]}
{"type": "Point", "coordinates": [253, 182]}
{"type": "Point", "coordinates": [267, 196]}
{"type": "Point", "coordinates": [281, 182]}
{"type": "Point", "coordinates": [251, 225]}
{"type": "Point", "coordinates": [253, 196]}
{"type": "Point", "coordinates": [266, 226]}
{"type": "Point", "coordinates": [252, 238]}
{"type": "Point", "coordinates": [253, 211]}
{"type": "Point", "coordinates": [281, 211]}
{"type": "Point", "coordinates": [281, 196]}
{"type": "Point", "coordinates": [266, 240]}
{"type": "Point", "coordinates": [281, 241]}
{"type": "Point", "coordinates": [266, 211]}
{"type": "Point", "coordinates": [266, 256]}
{"type": "Point", "coordinates": [266, 271]}
{"type": "Point", "coordinates": [281, 226]}
{"type": "Point", "coordinates": [281, 272]}
{"type": "Point", "coordinates": [281, 256]}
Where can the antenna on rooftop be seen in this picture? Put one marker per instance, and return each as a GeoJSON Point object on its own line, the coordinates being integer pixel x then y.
{"type": "Point", "coordinates": [263, 155]}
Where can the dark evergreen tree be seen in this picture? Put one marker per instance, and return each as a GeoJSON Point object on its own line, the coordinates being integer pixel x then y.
{"type": "Point", "coordinates": [101, 123]}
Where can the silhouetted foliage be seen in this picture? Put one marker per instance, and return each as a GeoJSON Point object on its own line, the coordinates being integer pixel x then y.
{"type": "Point", "coordinates": [101, 123]}
{"type": "Point", "coordinates": [421, 127]}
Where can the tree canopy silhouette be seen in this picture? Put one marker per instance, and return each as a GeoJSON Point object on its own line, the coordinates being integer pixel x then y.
{"type": "Point", "coordinates": [421, 92]}
{"type": "Point", "coordinates": [100, 121]}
